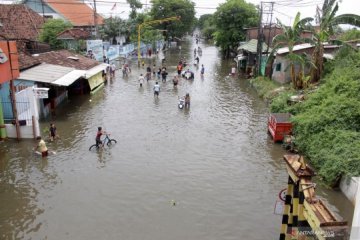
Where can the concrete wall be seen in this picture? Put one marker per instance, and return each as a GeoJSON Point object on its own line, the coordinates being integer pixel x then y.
{"type": "Point", "coordinates": [349, 186]}
{"type": "Point", "coordinates": [281, 76]}
{"type": "Point", "coordinates": [25, 131]}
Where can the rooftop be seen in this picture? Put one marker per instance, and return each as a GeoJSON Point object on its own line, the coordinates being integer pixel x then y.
{"type": "Point", "coordinates": [74, 33]}
{"type": "Point", "coordinates": [76, 12]}
{"type": "Point", "coordinates": [61, 57]}
{"type": "Point", "coordinates": [251, 46]}
{"type": "Point", "coordinates": [19, 22]}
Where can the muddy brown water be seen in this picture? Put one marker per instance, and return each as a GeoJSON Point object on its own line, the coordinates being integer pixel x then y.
{"type": "Point", "coordinates": [210, 172]}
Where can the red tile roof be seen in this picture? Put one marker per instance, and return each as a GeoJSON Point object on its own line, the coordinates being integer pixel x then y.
{"type": "Point", "coordinates": [26, 61]}
{"type": "Point", "coordinates": [19, 22]}
{"type": "Point", "coordinates": [74, 33]}
{"type": "Point", "coordinates": [60, 57]}
{"type": "Point", "coordinates": [76, 12]}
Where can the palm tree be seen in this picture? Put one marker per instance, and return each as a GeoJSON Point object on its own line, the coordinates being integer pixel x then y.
{"type": "Point", "coordinates": [328, 21]}
{"type": "Point", "coordinates": [289, 38]}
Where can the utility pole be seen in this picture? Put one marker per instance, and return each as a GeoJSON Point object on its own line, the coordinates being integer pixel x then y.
{"type": "Point", "coordinates": [259, 43]}
{"type": "Point", "coordinates": [95, 20]}
{"type": "Point", "coordinates": [266, 13]}
{"type": "Point", "coordinates": [43, 12]}
{"type": "Point", "coordinates": [270, 26]}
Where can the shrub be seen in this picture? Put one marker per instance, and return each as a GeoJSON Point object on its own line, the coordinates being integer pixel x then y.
{"type": "Point", "coordinates": [327, 124]}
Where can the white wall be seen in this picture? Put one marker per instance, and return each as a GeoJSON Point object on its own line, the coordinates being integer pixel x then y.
{"type": "Point", "coordinates": [25, 131]}
{"type": "Point", "coordinates": [349, 186]}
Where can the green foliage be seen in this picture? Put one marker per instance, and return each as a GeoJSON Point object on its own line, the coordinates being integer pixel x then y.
{"type": "Point", "coordinates": [327, 19]}
{"type": "Point", "coordinates": [280, 103]}
{"type": "Point", "coordinates": [207, 25]}
{"type": "Point", "coordinates": [352, 34]}
{"type": "Point", "coordinates": [134, 5]}
{"type": "Point", "coordinates": [51, 29]}
{"type": "Point", "coordinates": [203, 19]}
{"type": "Point", "coordinates": [230, 20]}
{"type": "Point", "coordinates": [114, 27]}
{"type": "Point", "coordinates": [327, 125]}
{"type": "Point", "coordinates": [149, 33]}
{"type": "Point", "coordinates": [265, 87]}
{"type": "Point", "coordinates": [185, 9]}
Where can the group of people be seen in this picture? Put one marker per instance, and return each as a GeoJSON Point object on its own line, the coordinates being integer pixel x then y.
{"type": "Point", "coordinates": [125, 69]}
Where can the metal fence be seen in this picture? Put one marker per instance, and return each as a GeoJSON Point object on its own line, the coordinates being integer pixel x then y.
{"type": "Point", "coordinates": [23, 110]}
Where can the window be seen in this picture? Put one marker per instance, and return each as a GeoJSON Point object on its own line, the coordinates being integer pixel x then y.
{"type": "Point", "coordinates": [278, 67]}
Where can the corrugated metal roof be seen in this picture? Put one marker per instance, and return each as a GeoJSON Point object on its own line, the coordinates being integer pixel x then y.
{"type": "Point", "coordinates": [95, 70]}
{"type": "Point", "coordinates": [251, 46]}
{"type": "Point", "coordinates": [46, 73]}
{"type": "Point", "coordinates": [69, 78]}
{"type": "Point", "coordinates": [296, 48]}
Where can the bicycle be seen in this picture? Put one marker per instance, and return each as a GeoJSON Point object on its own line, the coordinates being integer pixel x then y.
{"type": "Point", "coordinates": [107, 141]}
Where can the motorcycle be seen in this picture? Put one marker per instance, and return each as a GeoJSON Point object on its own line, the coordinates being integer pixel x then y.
{"type": "Point", "coordinates": [188, 75]}
{"type": "Point", "coordinates": [181, 103]}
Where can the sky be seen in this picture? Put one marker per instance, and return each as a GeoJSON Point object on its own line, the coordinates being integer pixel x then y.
{"type": "Point", "coordinates": [284, 10]}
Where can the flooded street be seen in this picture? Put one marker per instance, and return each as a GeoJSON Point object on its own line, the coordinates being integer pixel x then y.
{"type": "Point", "coordinates": [210, 172]}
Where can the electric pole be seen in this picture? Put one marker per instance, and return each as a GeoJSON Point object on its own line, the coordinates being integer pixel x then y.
{"type": "Point", "coordinates": [265, 21]}
{"type": "Point", "coordinates": [95, 20]}
{"type": "Point", "coordinates": [259, 43]}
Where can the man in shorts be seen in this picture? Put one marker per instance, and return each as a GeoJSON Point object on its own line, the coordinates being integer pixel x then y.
{"type": "Point", "coordinates": [156, 89]}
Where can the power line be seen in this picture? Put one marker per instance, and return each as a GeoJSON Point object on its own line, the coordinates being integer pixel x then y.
{"type": "Point", "coordinates": [99, 2]}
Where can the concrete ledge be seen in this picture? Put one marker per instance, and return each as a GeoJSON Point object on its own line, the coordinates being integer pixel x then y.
{"type": "Point", "coordinates": [349, 186]}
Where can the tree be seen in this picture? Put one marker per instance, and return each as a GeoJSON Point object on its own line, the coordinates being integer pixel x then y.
{"type": "Point", "coordinates": [328, 21]}
{"type": "Point", "coordinates": [134, 4]}
{"type": "Point", "coordinates": [185, 9]}
{"type": "Point", "coordinates": [204, 18]}
{"type": "Point", "coordinates": [114, 27]}
{"type": "Point", "coordinates": [51, 29]}
{"type": "Point", "coordinates": [289, 38]}
{"type": "Point", "coordinates": [230, 19]}
{"type": "Point", "coordinates": [149, 33]}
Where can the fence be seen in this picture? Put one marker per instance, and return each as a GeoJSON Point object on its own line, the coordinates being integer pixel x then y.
{"type": "Point", "coordinates": [22, 107]}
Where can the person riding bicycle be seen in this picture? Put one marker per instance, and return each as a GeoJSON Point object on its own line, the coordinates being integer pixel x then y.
{"type": "Point", "coordinates": [98, 137]}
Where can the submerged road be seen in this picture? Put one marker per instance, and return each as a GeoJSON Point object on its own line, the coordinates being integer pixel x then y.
{"type": "Point", "coordinates": [210, 172]}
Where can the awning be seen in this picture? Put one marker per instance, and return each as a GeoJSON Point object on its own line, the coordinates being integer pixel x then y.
{"type": "Point", "coordinates": [251, 46]}
{"type": "Point", "coordinates": [95, 70]}
{"type": "Point", "coordinates": [45, 73]}
{"type": "Point", "coordinates": [69, 78]}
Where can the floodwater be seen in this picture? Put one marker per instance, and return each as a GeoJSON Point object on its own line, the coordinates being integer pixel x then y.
{"type": "Point", "coordinates": [210, 172]}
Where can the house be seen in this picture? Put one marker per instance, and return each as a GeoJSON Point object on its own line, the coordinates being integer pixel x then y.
{"type": "Point", "coordinates": [78, 13]}
{"type": "Point", "coordinates": [74, 38]}
{"type": "Point", "coordinates": [64, 73]}
{"type": "Point", "coordinates": [20, 26]}
{"type": "Point", "coordinates": [269, 32]}
{"type": "Point", "coordinates": [281, 70]}
{"type": "Point", "coordinates": [247, 53]}
{"type": "Point", "coordinates": [20, 23]}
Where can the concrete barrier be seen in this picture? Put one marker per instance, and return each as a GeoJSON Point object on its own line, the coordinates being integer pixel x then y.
{"type": "Point", "coordinates": [349, 186]}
